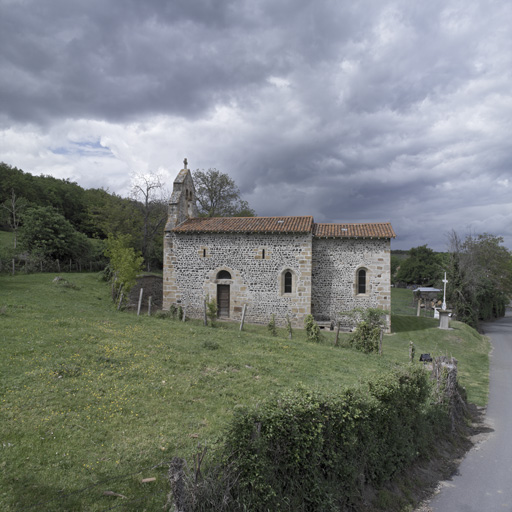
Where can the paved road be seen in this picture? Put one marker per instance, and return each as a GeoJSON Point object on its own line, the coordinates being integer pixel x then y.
{"type": "Point", "coordinates": [484, 479]}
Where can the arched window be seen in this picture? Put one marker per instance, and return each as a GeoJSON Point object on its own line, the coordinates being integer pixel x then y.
{"type": "Point", "coordinates": [223, 274]}
{"type": "Point", "coordinates": [288, 280]}
{"type": "Point", "coordinates": [361, 281]}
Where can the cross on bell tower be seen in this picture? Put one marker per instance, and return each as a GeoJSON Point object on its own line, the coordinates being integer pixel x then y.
{"type": "Point", "coordinates": [185, 163]}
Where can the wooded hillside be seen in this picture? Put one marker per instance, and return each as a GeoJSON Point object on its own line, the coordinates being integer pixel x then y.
{"type": "Point", "coordinates": [76, 220]}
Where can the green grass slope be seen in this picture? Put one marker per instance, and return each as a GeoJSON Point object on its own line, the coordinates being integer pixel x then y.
{"type": "Point", "coordinates": [94, 400]}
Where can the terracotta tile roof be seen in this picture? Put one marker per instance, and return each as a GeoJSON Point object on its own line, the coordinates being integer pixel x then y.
{"type": "Point", "coordinates": [247, 225]}
{"type": "Point", "coordinates": [285, 225]}
{"type": "Point", "coordinates": [370, 230]}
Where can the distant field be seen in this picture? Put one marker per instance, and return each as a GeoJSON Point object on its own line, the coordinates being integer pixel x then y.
{"type": "Point", "coordinates": [93, 400]}
{"type": "Point", "coordinates": [402, 302]}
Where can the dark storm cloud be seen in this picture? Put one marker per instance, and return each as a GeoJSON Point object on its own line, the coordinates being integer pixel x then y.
{"type": "Point", "coordinates": [117, 60]}
{"type": "Point", "coordinates": [350, 111]}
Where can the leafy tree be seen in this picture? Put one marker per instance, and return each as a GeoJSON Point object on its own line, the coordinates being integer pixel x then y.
{"type": "Point", "coordinates": [479, 277]}
{"type": "Point", "coordinates": [48, 233]}
{"type": "Point", "coordinates": [65, 196]}
{"type": "Point", "coordinates": [13, 179]}
{"type": "Point", "coordinates": [125, 263]}
{"type": "Point", "coordinates": [14, 207]}
{"type": "Point", "coordinates": [395, 262]}
{"type": "Point", "coordinates": [421, 267]}
{"type": "Point", "coordinates": [111, 213]}
{"type": "Point", "coordinates": [218, 196]}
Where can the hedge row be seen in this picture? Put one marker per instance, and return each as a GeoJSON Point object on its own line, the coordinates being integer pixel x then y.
{"type": "Point", "coordinates": [306, 451]}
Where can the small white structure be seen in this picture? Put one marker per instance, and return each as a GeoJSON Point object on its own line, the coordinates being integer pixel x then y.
{"type": "Point", "coordinates": [427, 290]}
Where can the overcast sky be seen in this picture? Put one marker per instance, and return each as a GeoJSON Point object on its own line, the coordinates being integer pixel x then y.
{"type": "Point", "coordinates": [347, 110]}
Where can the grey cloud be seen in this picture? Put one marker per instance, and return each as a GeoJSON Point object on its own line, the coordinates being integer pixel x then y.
{"type": "Point", "coordinates": [351, 111]}
{"type": "Point", "coordinates": [112, 62]}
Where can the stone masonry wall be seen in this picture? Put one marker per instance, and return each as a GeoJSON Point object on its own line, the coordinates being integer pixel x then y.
{"type": "Point", "coordinates": [256, 262]}
{"type": "Point", "coordinates": [182, 204]}
{"type": "Point", "coordinates": [334, 275]}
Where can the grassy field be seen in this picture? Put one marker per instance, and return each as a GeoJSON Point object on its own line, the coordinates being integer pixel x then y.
{"type": "Point", "coordinates": [93, 400]}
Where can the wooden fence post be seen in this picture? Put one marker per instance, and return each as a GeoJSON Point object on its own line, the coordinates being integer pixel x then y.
{"type": "Point", "coordinates": [140, 301]}
{"type": "Point", "coordinates": [243, 318]}
{"type": "Point", "coordinates": [149, 305]}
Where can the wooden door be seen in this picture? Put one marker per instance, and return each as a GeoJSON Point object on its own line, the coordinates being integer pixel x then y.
{"type": "Point", "coordinates": [223, 300]}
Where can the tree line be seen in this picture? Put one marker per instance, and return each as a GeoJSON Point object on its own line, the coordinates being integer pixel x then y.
{"type": "Point", "coordinates": [56, 221]}
{"type": "Point", "coordinates": [57, 224]}
{"type": "Point", "coordinates": [478, 269]}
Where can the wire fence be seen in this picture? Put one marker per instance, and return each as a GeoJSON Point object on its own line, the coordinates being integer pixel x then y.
{"type": "Point", "coordinates": [33, 265]}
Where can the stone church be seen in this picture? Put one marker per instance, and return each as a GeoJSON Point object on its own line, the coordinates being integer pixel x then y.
{"type": "Point", "coordinates": [287, 266]}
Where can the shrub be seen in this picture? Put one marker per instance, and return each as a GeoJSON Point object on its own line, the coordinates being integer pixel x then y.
{"type": "Point", "coordinates": [210, 345]}
{"type": "Point", "coordinates": [162, 314]}
{"type": "Point", "coordinates": [366, 336]}
{"type": "Point", "coordinates": [312, 329]}
{"type": "Point", "coordinates": [289, 327]}
{"type": "Point", "coordinates": [125, 264]}
{"type": "Point", "coordinates": [307, 451]}
{"type": "Point", "coordinates": [272, 326]}
{"type": "Point", "coordinates": [211, 310]}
